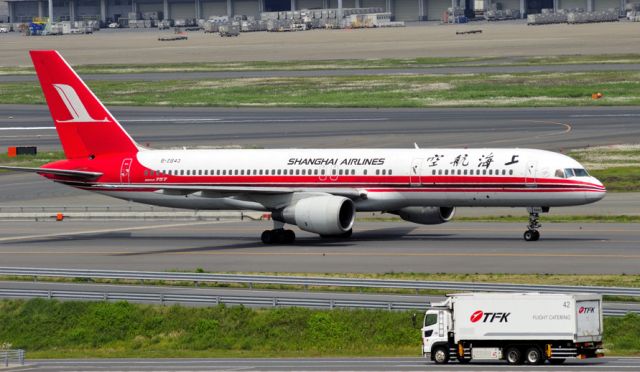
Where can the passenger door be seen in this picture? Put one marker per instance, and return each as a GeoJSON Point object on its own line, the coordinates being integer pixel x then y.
{"type": "Point", "coordinates": [125, 171]}
{"type": "Point", "coordinates": [414, 172]}
{"type": "Point", "coordinates": [530, 174]}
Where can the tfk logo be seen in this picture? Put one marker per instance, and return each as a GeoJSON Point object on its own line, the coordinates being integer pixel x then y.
{"type": "Point", "coordinates": [489, 317]}
{"type": "Point", "coordinates": [74, 105]}
{"type": "Point", "coordinates": [586, 310]}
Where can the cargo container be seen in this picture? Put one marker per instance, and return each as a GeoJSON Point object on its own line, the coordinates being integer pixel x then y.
{"type": "Point", "coordinates": [516, 327]}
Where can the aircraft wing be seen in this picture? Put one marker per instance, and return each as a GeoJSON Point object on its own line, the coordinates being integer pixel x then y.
{"type": "Point", "coordinates": [84, 175]}
{"type": "Point", "coordinates": [234, 190]}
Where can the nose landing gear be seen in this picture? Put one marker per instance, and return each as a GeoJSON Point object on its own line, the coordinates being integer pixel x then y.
{"type": "Point", "coordinates": [532, 234]}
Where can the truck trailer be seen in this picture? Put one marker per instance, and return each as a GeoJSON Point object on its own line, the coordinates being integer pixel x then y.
{"type": "Point", "coordinates": [516, 327]}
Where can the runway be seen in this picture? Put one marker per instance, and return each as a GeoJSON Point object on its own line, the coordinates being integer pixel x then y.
{"type": "Point", "coordinates": [375, 247]}
{"type": "Point", "coordinates": [319, 364]}
{"type": "Point", "coordinates": [545, 128]}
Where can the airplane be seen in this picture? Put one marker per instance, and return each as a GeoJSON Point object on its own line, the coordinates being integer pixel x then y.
{"type": "Point", "coordinates": [317, 190]}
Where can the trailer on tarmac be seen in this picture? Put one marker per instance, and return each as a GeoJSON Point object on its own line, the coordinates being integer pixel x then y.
{"type": "Point", "coordinates": [516, 327]}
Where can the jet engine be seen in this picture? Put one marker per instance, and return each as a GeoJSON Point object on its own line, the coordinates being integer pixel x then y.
{"type": "Point", "coordinates": [426, 215]}
{"type": "Point", "coordinates": [324, 215]}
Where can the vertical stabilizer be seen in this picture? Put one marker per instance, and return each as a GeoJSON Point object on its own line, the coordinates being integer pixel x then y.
{"type": "Point", "coordinates": [85, 127]}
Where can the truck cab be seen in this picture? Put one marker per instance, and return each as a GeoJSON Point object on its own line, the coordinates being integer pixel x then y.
{"type": "Point", "coordinates": [436, 332]}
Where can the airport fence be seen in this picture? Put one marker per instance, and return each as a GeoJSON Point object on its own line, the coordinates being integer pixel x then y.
{"type": "Point", "coordinates": [250, 300]}
{"type": "Point", "coordinates": [310, 281]}
{"type": "Point", "coordinates": [11, 357]}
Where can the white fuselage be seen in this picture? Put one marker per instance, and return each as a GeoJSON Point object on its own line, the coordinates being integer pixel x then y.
{"type": "Point", "coordinates": [387, 179]}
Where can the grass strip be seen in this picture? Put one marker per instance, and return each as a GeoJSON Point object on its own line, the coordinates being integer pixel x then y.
{"type": "Point", "coordinates": [468, 90]}
{"type": "Point", "coordinates": [52, 329]}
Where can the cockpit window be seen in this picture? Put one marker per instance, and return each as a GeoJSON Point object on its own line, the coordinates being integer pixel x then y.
{"type": "Point", "coordinates": [581, 172]}
{"type": "Point", "coordinates": [571, 172]}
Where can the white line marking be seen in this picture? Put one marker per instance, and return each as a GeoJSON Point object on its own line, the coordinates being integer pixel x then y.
{"type": "Point", "coordinates": [27, 128]}
{"type": "Point", "coordinates": [253, 120]}
{"type": "Point", "coordinates": [604, 115]}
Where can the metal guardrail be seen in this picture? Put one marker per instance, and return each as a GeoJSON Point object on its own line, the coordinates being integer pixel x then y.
{"type": "Point", "coordinates": [261, 301]}
{"type": "Point", "coordinates": [11, 357]}
{"type": "Point", "coordinates": [313, 281]}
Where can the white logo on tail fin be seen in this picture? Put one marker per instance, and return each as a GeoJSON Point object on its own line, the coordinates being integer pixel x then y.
{"type": "Point", "coordinates": [75, 106]}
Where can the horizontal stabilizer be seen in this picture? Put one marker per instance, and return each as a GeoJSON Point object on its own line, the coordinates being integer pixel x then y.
{"type": "Point", "coordinates": [57, 172]}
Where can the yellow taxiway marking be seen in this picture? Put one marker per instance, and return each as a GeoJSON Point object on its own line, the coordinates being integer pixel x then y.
{"type": "Point", "coordinates": [101, 231]}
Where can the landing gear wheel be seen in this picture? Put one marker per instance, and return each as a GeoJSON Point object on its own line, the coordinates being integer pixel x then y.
{"type": "Point", "coordinates": [534, 355]}
{"type": "Point", "coordinates": [531, 235]}
{"type": "Point", "coordinates": [289, 237]}
{"type": "Point", "coordinates": [267, 237]}
{"type": "Point", "coordinates": [514, 356]}
{"type": "Point", "coordinates": [441, 355]}
{"type": "Point", "coordinates": [278, 236]}
{"type": "Point", "coordinates": [556, 361]}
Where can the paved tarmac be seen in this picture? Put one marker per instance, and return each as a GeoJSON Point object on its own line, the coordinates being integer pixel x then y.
{"type": "Point", "coordinates": [172, 76]}
{"type": "Point", "coordinates": [375, 247]}
{"type": "Point", "coordinates": [504, 39]}
{"type": "Point", "coordinates": [546, 128]}
{"type": "Point", "coordinates": [319, 364]}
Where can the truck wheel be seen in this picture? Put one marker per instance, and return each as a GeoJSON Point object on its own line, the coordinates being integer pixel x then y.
{"type": "Point", "coordinates": [534, 355]}
{"type": "Point", "coordinates": [514, 356]}
{"type": "Point", "coordinates": [556, 361]}
{"type": "Point", "coordinates": [441, 355]}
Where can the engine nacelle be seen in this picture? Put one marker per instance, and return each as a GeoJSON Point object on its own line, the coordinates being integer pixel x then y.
{"type": "Point", "coordinates": [426, 215]}
{"type": "Point", "coordinates": [324, 215]}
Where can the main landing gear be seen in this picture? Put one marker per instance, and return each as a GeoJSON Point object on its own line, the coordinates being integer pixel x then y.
{"type": "Point", "coordinates": [532, 234]}
{"type": "Point", "coordinates": [278, 235]}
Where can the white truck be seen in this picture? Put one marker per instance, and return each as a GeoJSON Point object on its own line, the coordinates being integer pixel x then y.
{"type": "Point", "coordinates": [516, 327]}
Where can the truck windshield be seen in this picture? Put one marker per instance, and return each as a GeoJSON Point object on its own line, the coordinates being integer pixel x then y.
{"type": "Point", "coordinates": [430, 319]}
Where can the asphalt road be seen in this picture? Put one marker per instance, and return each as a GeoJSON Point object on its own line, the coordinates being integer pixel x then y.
{"type": "Point", "coordinates": [375, 247]}
{"type": "Point", "coordinates": [168, 76]}
{"type": "Point", "coordinates": [319, 364]}
{"type": "Point", "coordinates": [546, 128]}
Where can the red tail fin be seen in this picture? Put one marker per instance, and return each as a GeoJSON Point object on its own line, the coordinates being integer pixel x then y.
{"type": "Point", "coordinates": [85, 126]}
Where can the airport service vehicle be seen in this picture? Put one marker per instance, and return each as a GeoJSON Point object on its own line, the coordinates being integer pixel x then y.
{"type": "Point", "coordinates": [516, 327]}
{"type": "Point", "coordinates": [318, 190]}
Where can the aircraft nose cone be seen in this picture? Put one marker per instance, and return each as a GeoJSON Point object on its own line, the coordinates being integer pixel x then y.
{"type": "Point", "coordinates": [596, 194]}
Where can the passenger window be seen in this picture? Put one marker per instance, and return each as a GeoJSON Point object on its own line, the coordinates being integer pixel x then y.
{"type": "Point", "coordinates": [377, 172]}
{"type": "Point", "coordinates": [242, 172]}
{"type": "Point", "coordinates": [279, 172]}
{"type": "Point", "coordinates": [490, 172]}
{"type": "Point", "coordinates": [146, 172]}
{"type": "Point", "coordinates": [465, 172]}
{"type": "Point", "coordinates": [353, 172]}
{"type": "Point", "coordinates": [389, 171]}
{"type": "Point", "coordinates": [182, 172]}
{"type": "Point", "coordinates": [484, 172]}
{"type": "Point", "coordinates": [339, 172]}
{"type": "Point", "coordinates": [364, 172]}
{"type": "Point", "coordinates": [297, 172]}
{"type": "Point", "coordinates": [218, 172]}
{"type": "Point", "coordinates": [384, 172]}
{"type": "Point", "coordinates": [433, 172]}
{"type": "Point", "coordinates": [304, 172]}
{"type": "Point", "coordinates": [446, 172]}
{"type": "Point", "coordinates": [459, 172]}
{"type": "Point", "coordinates": [510, 171]}
{"type": "Point", "coordinates": [439, 172]}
